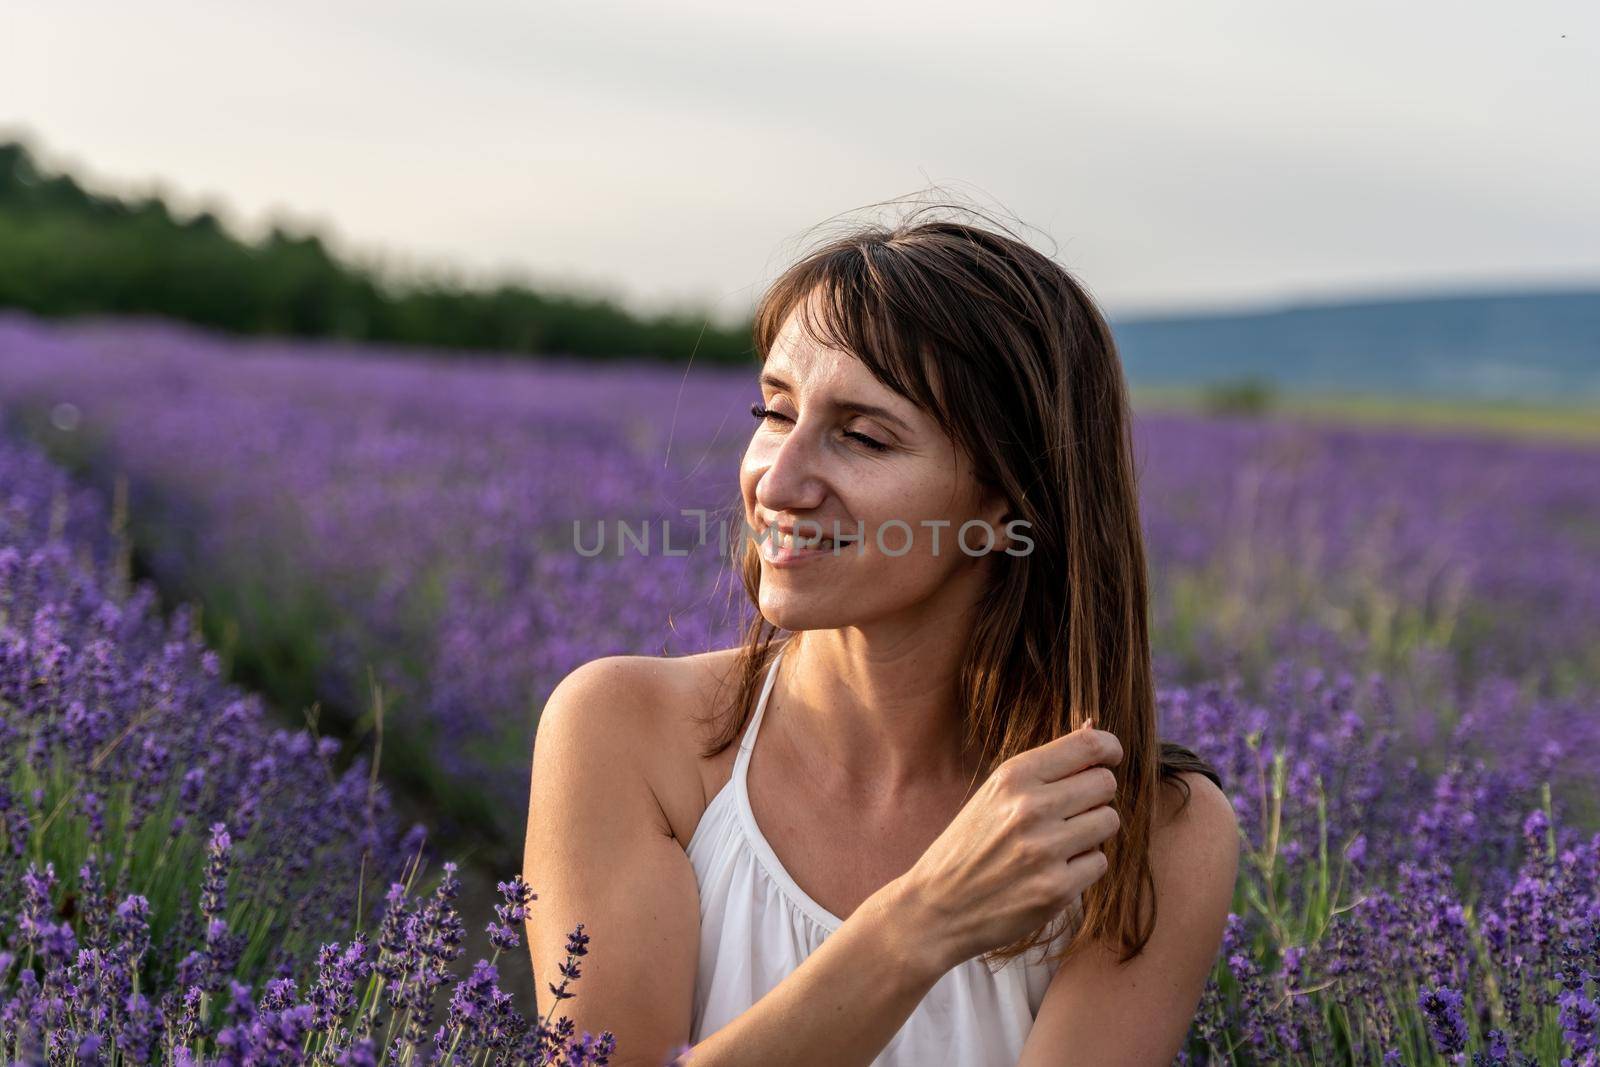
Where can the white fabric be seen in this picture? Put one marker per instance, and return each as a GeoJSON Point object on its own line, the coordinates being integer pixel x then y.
{"type": "Point", "coordinates": [757, 925]}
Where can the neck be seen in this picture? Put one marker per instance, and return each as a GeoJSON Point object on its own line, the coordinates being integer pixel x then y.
{"type": "Point", "coordinates": [875, 718]}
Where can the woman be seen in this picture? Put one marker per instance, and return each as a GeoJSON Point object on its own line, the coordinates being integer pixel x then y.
{"type": "Point", "coordinates": [931, 857]}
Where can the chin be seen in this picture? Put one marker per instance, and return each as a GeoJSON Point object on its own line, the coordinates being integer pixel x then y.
{"type": "Point", "coordinates": [794, 613]}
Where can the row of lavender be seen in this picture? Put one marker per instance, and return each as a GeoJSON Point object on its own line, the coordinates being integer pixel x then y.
{"type": "Point", "coordinates": [180, 880]}
{"type": "Point", "coordinates": [349, 510]}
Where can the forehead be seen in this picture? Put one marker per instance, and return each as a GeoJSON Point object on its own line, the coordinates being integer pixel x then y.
{"type": "Point", "coordinates": [807, 363]}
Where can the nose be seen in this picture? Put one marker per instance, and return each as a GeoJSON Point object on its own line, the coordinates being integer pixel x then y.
{"type": "Point", "coordinates": [793, 479]}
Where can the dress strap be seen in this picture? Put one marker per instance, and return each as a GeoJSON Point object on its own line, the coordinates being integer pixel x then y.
{"type": "Point", "coordinates": [747, 743]}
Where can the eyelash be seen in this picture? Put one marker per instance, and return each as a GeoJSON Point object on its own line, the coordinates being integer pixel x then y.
{"type": "Point", "coordinates": [761, 411]}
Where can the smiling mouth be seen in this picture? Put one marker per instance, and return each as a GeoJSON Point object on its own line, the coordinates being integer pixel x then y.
{"type": "Point", "coordinates": [778, 545]}
{"type": "Point", "coordinates": [794, 542]}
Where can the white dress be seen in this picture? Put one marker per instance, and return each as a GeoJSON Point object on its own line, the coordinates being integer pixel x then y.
{"type": "Point", "coordinates": [757, 925]}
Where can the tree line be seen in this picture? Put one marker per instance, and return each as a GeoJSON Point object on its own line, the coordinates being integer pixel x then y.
{"type": "Point", "coordinates": [66, 250]}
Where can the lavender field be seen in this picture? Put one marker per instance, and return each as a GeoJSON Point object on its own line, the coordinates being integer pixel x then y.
{"type": "Point", "coordinates": [1387, 641]}
{"type": "Point", "coordinates": [181, 878]}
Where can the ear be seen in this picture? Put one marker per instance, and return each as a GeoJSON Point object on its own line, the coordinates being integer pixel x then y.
{"type": "Point", "coordinates": [997, 511]}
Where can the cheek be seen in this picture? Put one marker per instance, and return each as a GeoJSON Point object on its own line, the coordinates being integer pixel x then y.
{"type": "Point", "coordinates": [915, 502]}
{"type": "Point", "coordinates": [751, 465]}
{"type": "Point", "coordinates": [910, 496]}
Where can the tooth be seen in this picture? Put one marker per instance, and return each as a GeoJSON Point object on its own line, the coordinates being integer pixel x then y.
{"type": "Point", "coordinates": [801, 542]}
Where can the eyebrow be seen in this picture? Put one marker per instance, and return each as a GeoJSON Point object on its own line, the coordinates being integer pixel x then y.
{"type": "Point", "coordinates": [768, 378]}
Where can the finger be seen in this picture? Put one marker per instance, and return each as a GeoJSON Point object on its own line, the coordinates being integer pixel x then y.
{"type": "Point", "coordinates": [1089, 829]}
{"type": "Point", "coordinates": [1086, 867]}
{"type": "Point", "coordinates": [1078, 793]}
{"type": "Point", "coordinates": [1071, 753]}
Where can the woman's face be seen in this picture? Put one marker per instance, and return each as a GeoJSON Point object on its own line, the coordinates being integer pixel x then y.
{"type": "Point", "coordinates": [813, 466]}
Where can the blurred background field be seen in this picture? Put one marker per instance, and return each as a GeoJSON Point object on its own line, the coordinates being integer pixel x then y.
{"type": "Point", "coordinates": [1578, 421]}
{"type": "Point", "coordinates": [287, 502]}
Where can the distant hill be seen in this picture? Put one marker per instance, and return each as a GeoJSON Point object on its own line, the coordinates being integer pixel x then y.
{"type": "Point", "coordinates": [1541, 346]}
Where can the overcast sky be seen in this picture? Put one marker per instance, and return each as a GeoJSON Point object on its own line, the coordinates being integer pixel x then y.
{"type": "Point", "coordinates": [1173, 155]}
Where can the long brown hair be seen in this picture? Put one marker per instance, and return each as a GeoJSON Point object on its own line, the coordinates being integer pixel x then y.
{"type": "Point", "coordinates": [1008, 353]}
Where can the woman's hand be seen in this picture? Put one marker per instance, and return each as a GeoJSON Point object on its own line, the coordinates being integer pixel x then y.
{"type": "Point", "coordinates": [1024, 847]}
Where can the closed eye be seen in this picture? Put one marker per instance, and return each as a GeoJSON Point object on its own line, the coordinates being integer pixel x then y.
{"type": "Point", "coordinates": [876, 446]}
{"type": "Point", "coordinates": [763, 412]}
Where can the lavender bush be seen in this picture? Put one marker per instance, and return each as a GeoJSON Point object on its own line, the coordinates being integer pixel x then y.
{"type": "Point", "coordinates": [171, 864]}
{"type": "Point", "coordinates": [1386, 913]}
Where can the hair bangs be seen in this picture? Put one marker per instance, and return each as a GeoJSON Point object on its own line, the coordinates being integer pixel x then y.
{"type": "Point", "coordinates": [857, 297]}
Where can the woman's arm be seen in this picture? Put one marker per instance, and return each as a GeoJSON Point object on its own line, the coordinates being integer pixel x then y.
{"type": "Point", "coordinates": [1103, 1013]}
{"type": "Point", "coordinates": [601, 852]}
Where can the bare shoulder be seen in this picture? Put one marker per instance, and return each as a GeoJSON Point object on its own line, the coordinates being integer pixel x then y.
{"type": "Point", "coordinates": [639, 696]}
{"type": "Point", "coordinates": [1197, 834]}
{"type": "Point", "coordinates": [609, 701]}
{"type": "Point", "coordinates": [643, 710]}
